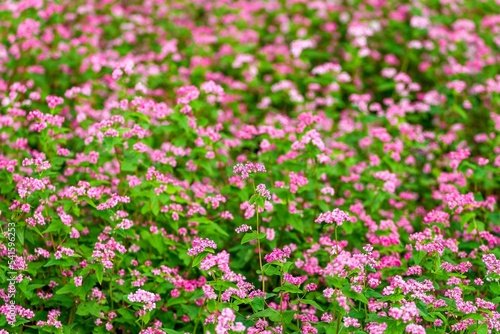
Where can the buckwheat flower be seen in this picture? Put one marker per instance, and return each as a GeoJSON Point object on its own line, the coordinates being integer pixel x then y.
{"type": "Point", "coordinates": [209, 291]}
{"type": "Point", "coordinates": [74, 234]}
{"type": "Point", "coordinates": [28, 28]}
{"type": "Point", "coordinates": [42, 252]}
{"type": "Point", "coordinates": [328, 191]}
{"type": "Point", "coordinates": [419, 22]}
{"type": "Point", "coordinates": [336, 216]}
{"type": "Point", "coordinates": [25, 208]}
{"type": "Point", "coordinates": [248, 168]}
{"type": "Point", "coordinates": [51, 320]}
{"type": "Point", "coordinates": [149, 299]}
{"type": "Point", "coordinates": [327, 317]}
{"type": "Point", "coordinates": [54, 101]}
{"type": "Point", "coordinates": [187, 94]}
{"type": "Point", "coordinates": [243, 228]}
{"type": "Point", "coordinates": [438, 322]}
{"type": "Point", "coordinates": [199, 246]}
{"type": "Point", "coordinates": [415, 329]}
{"type": "Point", "coordinates": [113, 201]}
{"type": "Point", "coordinates": [376, 328]}
{"type": "Point", "coordinates": [437, 216]}
{"type": "Point", "coordinates": [125, 224]}
{"type": "Point", "coordinates": [296, 181]}
{"type": "Point", "coordinates": [29, 185]}
{"type": "Point", "coordinates": [262, 191]}
{"type": "Point", "coordinates": [348, 322]}
{"type": "Point", "coordinates": [226, 215]}
{"type": "Point", "coordinates": [18, 264]}
{"type": "Point", "coordinates": [492, 264]}
{"type": "Point", "coordinates": [226, 322]}
{"type": "Point", "coordinates": [482, 161]}
{"type": "Point", "coordinates": [462, 325]}
{"type": "Point", "coordinates": [307, 328]}
{"type": "Point", "coordinates": [39, 163]}
{"type": "Point", "coordinates": [78, 280]}
{"type": "Point", "coordinates": [270, 233]}
{"type": "Point", "coordinates": [278, 255]}
{"type": "Point", "coordinates": [297, 46]}
{"type": "Point", "coordinates": [328, 292]}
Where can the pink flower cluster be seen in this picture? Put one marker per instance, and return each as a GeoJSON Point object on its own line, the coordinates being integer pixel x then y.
{"type": "Point", "coordinates": [226, 322]}
{"type": "Point", "coordinates": [248, 168]}
{"type": "Point", "coordinates": [54, 101]}
{"type": "Point", "coordinates": [147, 298]}
{"type": "Point", "coordinates": [263, 192]}
{"type": "Point", "coordinates": [199, 245]}
{"type": "Point", "coordinates": [336, 216]}
{"type": "Point", "coordinates": [278, 255]}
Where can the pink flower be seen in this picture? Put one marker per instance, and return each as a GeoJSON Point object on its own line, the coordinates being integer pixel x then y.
{"type": "Point", "coordinates": [199, 245]}
{"type": "Point", "coordinates": [187, 94]}
{"type": "Point", "coordinates": [262, 191]}
{"type": "Point", "coordinates": [336, 216]}
{"type": "Point", "coordinates": [348, 322]}
{"type": "Point", "coordinates": [278, 255]}
{"type": "Point", "coordinates": [248, 168]}
{"type": "Point", "coordinates": [78, 280]}
{"type": "Point", "coordinates": [54, 101]}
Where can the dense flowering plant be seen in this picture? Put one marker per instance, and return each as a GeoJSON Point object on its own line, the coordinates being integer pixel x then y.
{"type": "Point", "coordinates": [262, 166]}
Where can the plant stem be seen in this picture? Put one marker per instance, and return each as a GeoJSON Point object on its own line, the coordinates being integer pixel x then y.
{"type": "Point", "coordinates": [338, 322]}
{"type": "Point", "coordinates": [72, 315]}
{"type": "Point", "coordinates": [259, 250]}
{"type": "Point", "coordinates": [283, 331]}
{"type": "Point", "coordinates": [336, 240]}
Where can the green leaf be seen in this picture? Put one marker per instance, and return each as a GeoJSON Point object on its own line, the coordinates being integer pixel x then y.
{"type": "Point", "coordinates": [297, 223]}
{"type": "Point", "coordinates": [423, 311]}
{"type": "Point", "coordinates": [334, 281]}
{"type": "Point", "coordinates": [288, 316]}
{"type": "Point", "coordinates": [87, 308]}
{"type": "Point", "coordinates": [90, 202]}
{"type": "Point", "coordinates": [260, 201]}
{"type": "Point", "coordinates": [155, 205]}
{"type": "Point", "coordinates": [267, 313]}
{"type": "Point", "coordinates": [56, 225]}
{"type": "Point", "coordinates": [171, 331]}
{"type": "Point", "coordinates": [213, 226]}
{"type": "Point", "coordinates": [418, 256]}
{"type": "Point", "coordinates": [253, 199]}
{"type": "Point", "coordinates": [287, 287]}
{"type": "Point", "coordinates": [466, 218]}
{"type": "Point", "coordinates": [354, 295]}
{"type": "Point", "coordinates": [211, 305]}
{"type": "Point", "coordinates": [65, 289]}
{"type": "Point", "coordinates": [157, 242]}
{"type": "Point", "coordinates": [252, 236]}
{"type": "Point", "coordinates": [20, 234]}
{"type": "Point", "coordinates": [483, 329]}
{"type": "Point", "coordinates": [99, 271]}
{"type": "Point", "coordinates": [59, 262]}
{"type": "Point", "coordinates": [495, 288]}
{"type": "Point", "coordinates": [312, 303]}
{"type": "Point", "coordinates": [356, 314]}
{"type": "Point", "coordinates": [373, 294]}
{"type": "Point", "coordinates": [257, 304]}
{"type": "Point", "coordinates": [198, 258]}
{"type": "Point", "coordinates": [175, 301]}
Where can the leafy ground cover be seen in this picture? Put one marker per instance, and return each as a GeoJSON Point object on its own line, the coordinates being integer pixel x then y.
{"type": "Point", "coordinates": [280, 166]}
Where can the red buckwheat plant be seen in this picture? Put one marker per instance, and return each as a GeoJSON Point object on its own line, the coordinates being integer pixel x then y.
{"type": "Point", "coordinates": [250, 166]}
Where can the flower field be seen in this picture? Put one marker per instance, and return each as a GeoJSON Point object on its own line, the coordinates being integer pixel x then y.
{"type": "Point", "coordinates": [250, 166]}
